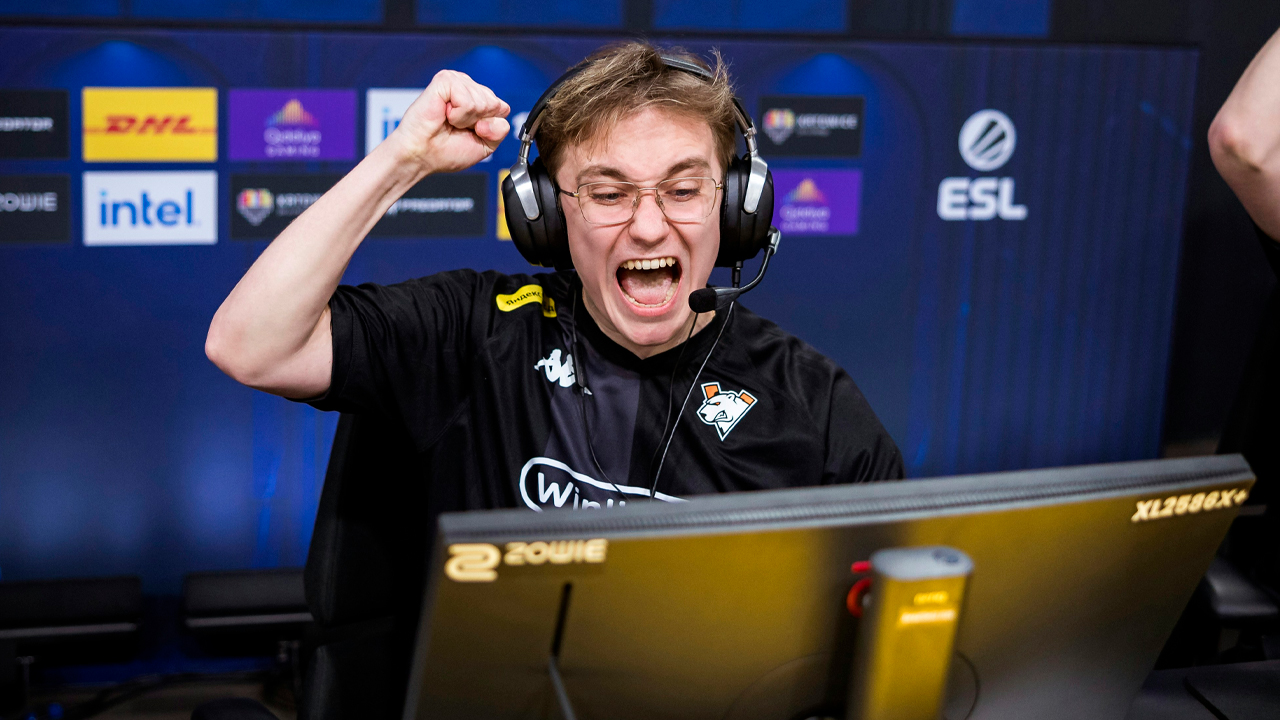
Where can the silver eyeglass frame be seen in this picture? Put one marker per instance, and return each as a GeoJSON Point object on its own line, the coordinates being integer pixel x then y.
{"type": "Point", "coordinates": [640, 192]}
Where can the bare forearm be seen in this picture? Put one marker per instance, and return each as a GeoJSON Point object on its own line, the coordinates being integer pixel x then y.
{"type": "Point", "coordinates": [274, 311]}
{"type": "Point", "coordinates": [1244, 139]}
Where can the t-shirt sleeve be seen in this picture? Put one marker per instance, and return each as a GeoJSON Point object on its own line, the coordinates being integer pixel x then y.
{"type": "Point", "coordinates": [402, 350]}
{"type": "Point", "coordinates": [1271, 248]}
{"type": "Point", "coordinates": [859, 449]}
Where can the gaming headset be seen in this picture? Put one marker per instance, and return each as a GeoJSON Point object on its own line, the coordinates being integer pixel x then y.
{"type": "Point", "coordinates": [536, 221]}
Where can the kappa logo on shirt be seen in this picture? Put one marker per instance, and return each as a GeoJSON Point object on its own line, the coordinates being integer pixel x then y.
{"type": "Point", "coordinates": [556, 371]}
{"type": "Point", "coordinates": [724, 408]}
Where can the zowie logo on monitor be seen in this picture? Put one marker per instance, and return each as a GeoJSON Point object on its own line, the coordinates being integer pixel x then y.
{"type": "Point", "coordinates": [987, 141]}
{"type": "Point", "coordinates": [724, 409]}
{"type": "Point", "coordinates": [548, 483]}
{"type": "Point", "coordinates": [150, 208]}
{"type": "Point", "coordinates": [478, 562]}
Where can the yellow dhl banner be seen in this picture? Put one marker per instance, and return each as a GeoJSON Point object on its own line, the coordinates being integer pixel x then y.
{"type": "Point", "coordinates": [150, 124]}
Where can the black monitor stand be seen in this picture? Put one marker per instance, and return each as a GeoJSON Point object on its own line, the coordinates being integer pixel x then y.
{"type": "Point", "coordinates": [553, 660]}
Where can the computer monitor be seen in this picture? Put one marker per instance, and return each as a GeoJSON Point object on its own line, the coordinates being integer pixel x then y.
{"type": "Point", "coordinates": [735, 606]}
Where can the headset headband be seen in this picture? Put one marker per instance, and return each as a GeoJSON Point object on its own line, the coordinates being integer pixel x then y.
{"type": "Point", "coordinates": [520, 171]}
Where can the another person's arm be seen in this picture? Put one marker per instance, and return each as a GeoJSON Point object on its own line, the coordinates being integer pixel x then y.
{"type": "Point", "coordinates": [1245, 138]}
{"type": "Point", "coordinates": [273, 331]}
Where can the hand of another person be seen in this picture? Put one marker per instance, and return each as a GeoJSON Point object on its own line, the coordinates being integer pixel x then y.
{"type": "Point", "coordinates": [454, 124]}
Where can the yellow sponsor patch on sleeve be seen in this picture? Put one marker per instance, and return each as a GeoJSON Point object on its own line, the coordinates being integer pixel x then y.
{"type": "Point", "coordinates": [524, 296]}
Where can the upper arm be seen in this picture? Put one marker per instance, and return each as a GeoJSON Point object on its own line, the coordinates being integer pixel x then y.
{"type": "Point", "coordinates": [307, 373]}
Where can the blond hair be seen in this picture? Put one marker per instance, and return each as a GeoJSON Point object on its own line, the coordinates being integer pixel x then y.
{"type": "Point", "coordinates": [623, 79]}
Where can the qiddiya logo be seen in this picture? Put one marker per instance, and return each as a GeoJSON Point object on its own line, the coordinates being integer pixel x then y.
{"type": "Point", "coordinates": [987, 141]}
{"type": "Point", "coordinates": [805, 209]}
{"type": "Point", "coordinates": [292, 132]}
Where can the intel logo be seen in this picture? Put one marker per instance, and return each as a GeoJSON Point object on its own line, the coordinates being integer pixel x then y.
{"type": "Point", "coordinates": [150, 208]}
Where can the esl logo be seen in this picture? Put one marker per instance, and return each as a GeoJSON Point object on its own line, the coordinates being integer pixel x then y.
{"type": "Point", "coordinates": [150, 208]}
{"type": "Point", "coordinates": [987, 141]}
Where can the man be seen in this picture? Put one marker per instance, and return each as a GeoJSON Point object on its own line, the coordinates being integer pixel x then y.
{"type": "Point", "coordinates": [1244, 141]}
{"type": "Point", "coordinates": [586, 389]}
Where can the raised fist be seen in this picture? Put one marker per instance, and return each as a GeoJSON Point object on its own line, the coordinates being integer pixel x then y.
{"type": "Point", "coordinates": [454, 124]}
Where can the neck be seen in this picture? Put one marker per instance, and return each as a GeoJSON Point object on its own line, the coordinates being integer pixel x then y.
{"type": "Point", "coordinates": [699, 321]}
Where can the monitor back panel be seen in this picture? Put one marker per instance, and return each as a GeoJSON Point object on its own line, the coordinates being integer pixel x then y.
{"type": "Point", "coordinates": [734, 607]}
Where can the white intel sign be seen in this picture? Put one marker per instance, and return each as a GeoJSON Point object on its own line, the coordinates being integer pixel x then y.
{"type": "Point", "coordinates": [987, 142]}
{"type": "Point", "coordinates": [383, 109]}
{"type": "Point", "coordinates": [151, 208]}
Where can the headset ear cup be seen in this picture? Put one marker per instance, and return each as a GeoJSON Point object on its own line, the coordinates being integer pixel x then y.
{"type": "Point", "coordinates": [543, 240]}
{"type": "Point", "coordinates": [520, 227]}
{"type": "Point", "coordinates": [553, 246]}
{"type": "Point", "coordinates": [743, 234]}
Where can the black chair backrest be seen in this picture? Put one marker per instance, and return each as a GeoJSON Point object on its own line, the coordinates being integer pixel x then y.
{"type": "Point", "coordinates": [365, 573]}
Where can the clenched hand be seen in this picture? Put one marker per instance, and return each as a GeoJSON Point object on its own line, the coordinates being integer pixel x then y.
{"type": "Point", "coordinates": [454, 124]}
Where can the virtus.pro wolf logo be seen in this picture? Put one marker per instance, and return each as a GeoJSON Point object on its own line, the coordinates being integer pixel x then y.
{"type": "Point", "coordinates": [723, 409]}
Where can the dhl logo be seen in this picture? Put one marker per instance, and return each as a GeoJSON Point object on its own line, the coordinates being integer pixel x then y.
{"type": "Point", "coordinates": [150, 124]}
{"type": "Point", "coordinates": [179, 125]}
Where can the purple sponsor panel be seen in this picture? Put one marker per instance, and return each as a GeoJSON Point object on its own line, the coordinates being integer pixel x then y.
{"type": "Point", "coordinates": [817, 202]}
{"type": "Point", "coordinates": [292, 124]}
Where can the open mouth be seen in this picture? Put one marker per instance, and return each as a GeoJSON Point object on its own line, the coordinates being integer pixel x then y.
{"type": "Point", "coordinates": [649, 283]}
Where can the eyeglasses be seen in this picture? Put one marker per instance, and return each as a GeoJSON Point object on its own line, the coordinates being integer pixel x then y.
{"type": "Point", "coordinates": [613, 202]}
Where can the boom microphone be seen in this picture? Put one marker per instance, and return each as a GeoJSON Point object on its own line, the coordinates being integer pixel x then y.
{"type": "Point", "coordinates": [716, 298]}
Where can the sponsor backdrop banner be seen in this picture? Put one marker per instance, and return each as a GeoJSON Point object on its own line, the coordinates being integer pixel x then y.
{"type": "Point", "coordinates": [985, 236]}
{"type": "Point", "coordinates": [35, 209]}
{"type": "Point", "coordinates": [33, 124]}
{"type": "Point", "coordinates": [383, 108]}
{"type": "Point", "coordinates": [292, 124]}
{"type": "Point", "coordinates": [438, 206]}
{"type": "Point", "coordinates": [263, 205]}
{"type": "Point", "coordinates": [150, 124]}
{"type": "Point", "coordinates": [817, 202]}
{"type": "Point", "coordinates": [150, 208]}
{"type": "Point", "coordinates": [811, 126]}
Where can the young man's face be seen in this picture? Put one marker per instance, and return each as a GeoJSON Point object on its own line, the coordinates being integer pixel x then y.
{"type": "Point", "coordinates": [645, 311]}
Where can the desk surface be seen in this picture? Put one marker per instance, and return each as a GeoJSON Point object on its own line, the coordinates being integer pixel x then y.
{"type": "Point", "coordinates": [1241, 691]}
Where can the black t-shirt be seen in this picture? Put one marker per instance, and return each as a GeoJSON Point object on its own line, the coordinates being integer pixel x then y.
{"type": "Point", "coordinates": [1252, 429]}
{"type": "Point", "coordinates": [506, 410]}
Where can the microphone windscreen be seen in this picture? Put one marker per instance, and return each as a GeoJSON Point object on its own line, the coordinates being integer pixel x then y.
{"type": "Point", "coordinates": [703, 301]}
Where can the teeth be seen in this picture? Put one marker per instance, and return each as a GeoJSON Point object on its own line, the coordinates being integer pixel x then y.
{"type": "Point", "coordinates": [653, 264]}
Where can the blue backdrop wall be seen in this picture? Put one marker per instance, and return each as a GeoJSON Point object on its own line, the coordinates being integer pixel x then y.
{"type": "Point", "coordinates": [983, 345]}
